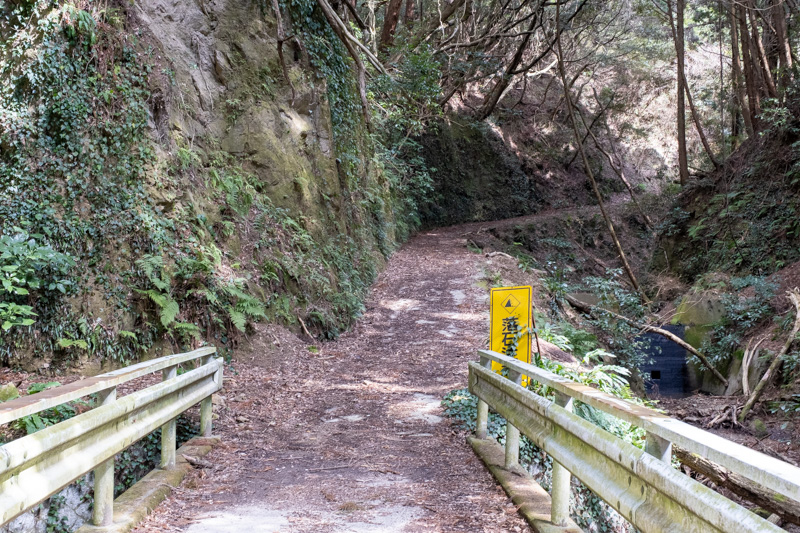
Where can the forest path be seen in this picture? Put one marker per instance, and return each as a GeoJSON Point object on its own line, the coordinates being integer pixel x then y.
{"type": "Point", "coordinates": [352, 439]}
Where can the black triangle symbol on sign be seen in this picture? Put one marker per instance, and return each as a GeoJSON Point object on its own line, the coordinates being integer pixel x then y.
{"type": "Point", "coordinates": [508, 303]}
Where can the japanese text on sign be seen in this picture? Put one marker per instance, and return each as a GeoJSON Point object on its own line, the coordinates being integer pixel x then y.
{"type": "Point", "coordinates": [511, 323]}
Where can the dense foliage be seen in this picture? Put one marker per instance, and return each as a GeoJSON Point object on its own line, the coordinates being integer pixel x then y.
{"type": "Point", "coordinates": [102, 260]}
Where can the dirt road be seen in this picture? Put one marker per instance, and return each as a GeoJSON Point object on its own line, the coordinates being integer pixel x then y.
{"type": "Point", "coordinates": [352, 439]}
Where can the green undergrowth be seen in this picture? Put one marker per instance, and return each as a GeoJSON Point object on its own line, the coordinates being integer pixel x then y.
{"type": "Point", "coordinates": [71, 167]}
{"type": "Point", "coordinates": [384, 173]}
{"type": "Point", "coordinates": [327, 279]}
{"type": "Point", "coordinates": [134, 463]}
{"type": "Point", "coordinates": [586, 508]}
{"type": "Point", "coordinates": [129, 467]}
{"type": "Point", "coordinates": [746, 307]}
{"type": "Point", "coordinates": [744, 218]}
{"type": "Point", "coordinates": [609, 292]}
{"type": "Point", "coordinates": [112, 247]}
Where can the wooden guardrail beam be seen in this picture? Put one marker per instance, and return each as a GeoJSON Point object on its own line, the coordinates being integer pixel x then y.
{"type": "Point", "coordinates": [776, 475]}
{"type": "Point", "coordinates": [34, 467]}
{"type": "Point", "coordinates": [49, 398]}
{"type": "Point", "coordinates": [647, 491]}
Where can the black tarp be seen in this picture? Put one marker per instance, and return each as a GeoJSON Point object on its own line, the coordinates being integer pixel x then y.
{"type": "Point", "coordinates": [668, 374]}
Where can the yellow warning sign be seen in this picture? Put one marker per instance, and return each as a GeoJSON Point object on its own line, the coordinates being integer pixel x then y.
{"type": "Point", "coordinates": [511, 323]}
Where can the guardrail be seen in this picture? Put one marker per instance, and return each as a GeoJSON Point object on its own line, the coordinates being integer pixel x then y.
{"type": "Point", "coordinates": [37, 466]}
{"type": "Point", "coordinates": [640, 484]}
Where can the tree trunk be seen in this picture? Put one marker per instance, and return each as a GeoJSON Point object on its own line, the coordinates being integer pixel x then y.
{"type": "Point", "coordinates": [784, 48]}
{"type": "Point", "coordinates": [434, 25]}
{"type": "Point", "coordinates": [735, 127]}
{"type": "Point", "coordinates": [738, 80]}
{"type": "Point", "coordinates": [588, 168]}
{"type": "Point", "coordinates": [678, 36]}
{"type": "Point", "coordinates": [282, 39]}
{"type": "Point", "coordinates": [351, 8]}
{"type": "Point", "coordinates": [794, 296]}
{"type": "Point", "coordinates": [589, 128]}
{"type": "Point", "coordinates": [766, 73]}
{"type": "Point", "coordinates": [618, 171]}
{"type": "Point", "coordinates": [336, 24]}
{"type": "Point", "coordinates": [408, 17]}
{"type": "Point", "coordinates": [679, 40]}
{"type": "Point", "coordinates": [698, 126]}
{"type": "Point", "coordinates": [347, 38]}
{"type": "Point", "coordinates": [390, 24]}
{"type": "Point", "coordinates": [493, 97]}
{"type": "Point", "coordinates": [750, 80]}
{"type": "Point", "coordinates": [773, 502]}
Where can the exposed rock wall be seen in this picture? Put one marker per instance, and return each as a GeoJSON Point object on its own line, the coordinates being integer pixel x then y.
{"type": "Point", "coordinates": [226, 91]}
{"type": "Point", "coordinates": [219, 191]}
{"type": "Point", "coordinates": [64, 511]}
{"type": "Point", "coordinates": [477, 176]}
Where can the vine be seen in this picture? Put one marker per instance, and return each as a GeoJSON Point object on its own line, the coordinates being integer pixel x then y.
{"type": "Point", "coordinates": [73, 154]}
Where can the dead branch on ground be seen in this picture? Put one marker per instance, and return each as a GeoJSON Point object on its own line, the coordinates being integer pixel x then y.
{"type": "Point", "coordinates": [794, 296]}
{"type": "Point", "coordinates": [788, 510]}
{"type": "Point", "coordinates": [592, 310]}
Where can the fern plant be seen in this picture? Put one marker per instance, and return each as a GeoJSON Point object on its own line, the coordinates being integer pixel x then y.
{"type": "Point", "coordinates": [153, 268]}
{"type": "Point", "coordinates": [196, 276]}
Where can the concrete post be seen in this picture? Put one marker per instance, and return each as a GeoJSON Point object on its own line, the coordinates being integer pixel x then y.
{"type": "Point", "coordinates": [168, 430]}
{"type": "Point", "coordinates": [658, 447]}
{"type": "Point", "coordinates": [512, 433]}
{"type": "Point", "coordinates": [103, 513]}
{"type": "Point", "coordinates": [483, 408]}
{"type": "Point", "coordinates": [559, 509]}
{"type": "Point", "coordinates": [206, 406]}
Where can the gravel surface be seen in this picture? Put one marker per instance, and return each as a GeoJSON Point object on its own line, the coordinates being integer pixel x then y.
{"type": "Point", "coordinates": [351, 438]}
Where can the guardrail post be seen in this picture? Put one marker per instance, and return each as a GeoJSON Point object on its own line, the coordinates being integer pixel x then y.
{"type": "Point", "coordinates": [206, 406]}
{"type": "Point", "coordinates": [103, 512]}
{"type": "Point", "coordinates": [168, 430]}
{"type": "Point", "coordinates": [482, 422]}
{"type": "Point", "coordinates": [658, 447]}
{"type": "Point", "coordinates": [559, 508]}
{"type": "Point", "coordinates": [512, 433]}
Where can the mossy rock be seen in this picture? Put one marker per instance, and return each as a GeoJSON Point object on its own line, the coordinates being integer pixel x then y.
{"type": "Point", "coordinates": [477, 176]}
{"type": "Point", "coordinates": [699, 309]}
{"type": "Point", "coordinates": [695, 335]}
{"type": "Point", "coordinates": [8, 392]}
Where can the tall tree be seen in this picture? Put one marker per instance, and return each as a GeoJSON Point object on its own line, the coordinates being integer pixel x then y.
{"type": "Point", "coordinates": [750, 75]}
{"type": "Point", "coordinates": [761, 54]}
{"type": "Point", "coordinates": [390, 24]}
{"type": "Point", "coordinates": [503, 82]}
{"type": "Point", "coordinates": [678, 36]}
{"type": "Point", "coordinates": [738, 77]}
{"type": "Point", "coordinates": [783, 45]}
{"type": "Point", "coordinates": [587, 167]}
{"type": "Point", "coordinates": [408, 16]}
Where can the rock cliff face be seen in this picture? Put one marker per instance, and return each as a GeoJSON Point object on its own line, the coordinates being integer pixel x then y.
{"type": "Point", "coordinates": [197, 184]}
{"type": "Point", "coordinates": [226, 92]}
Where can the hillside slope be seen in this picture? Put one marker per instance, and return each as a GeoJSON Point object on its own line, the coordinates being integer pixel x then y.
{"type": "Point", "coordinates": [166, 171]}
